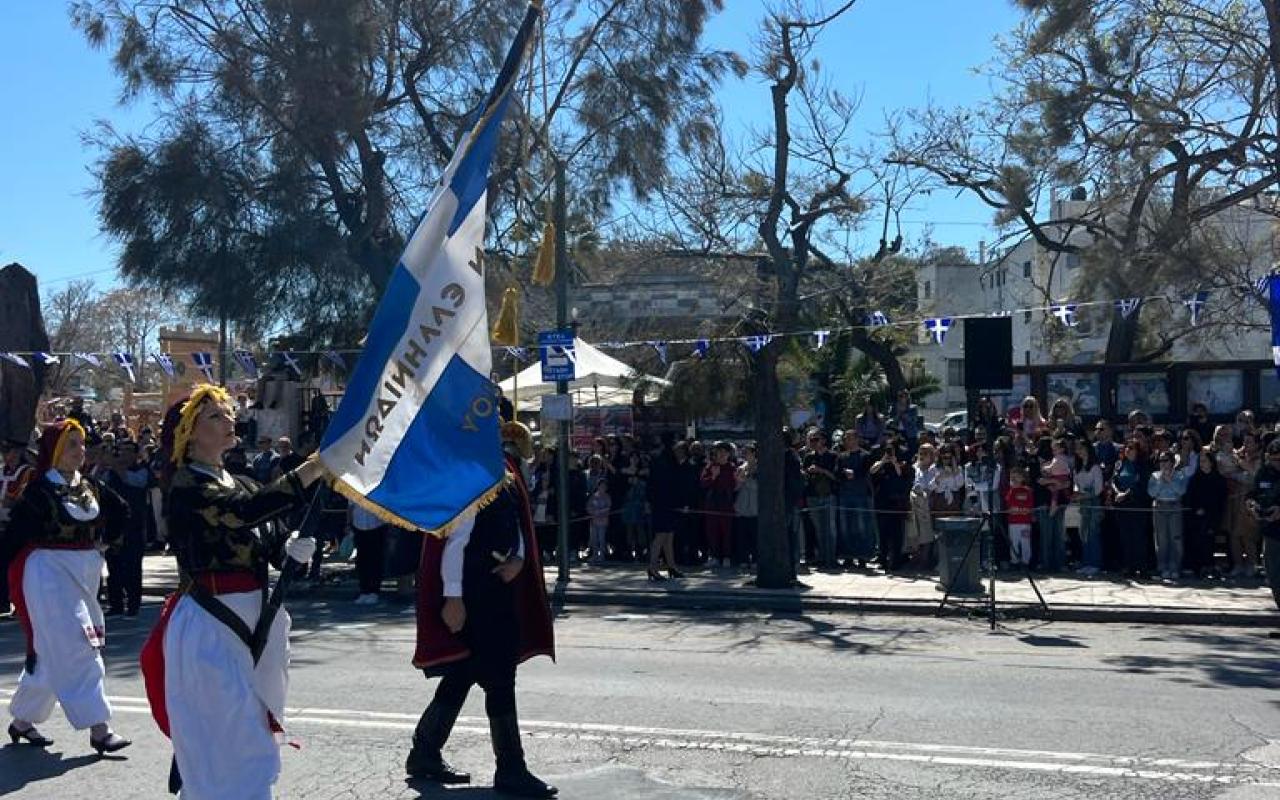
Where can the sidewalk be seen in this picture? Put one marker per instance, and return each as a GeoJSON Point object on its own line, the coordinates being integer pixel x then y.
{"type": "Point", "coordinates": [1070, 600]}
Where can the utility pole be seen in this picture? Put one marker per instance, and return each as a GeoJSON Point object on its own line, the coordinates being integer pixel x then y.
{"type": "Point", "coordinates": [562, 387]}
{"type": "Point", "coordinates": [222, 349]}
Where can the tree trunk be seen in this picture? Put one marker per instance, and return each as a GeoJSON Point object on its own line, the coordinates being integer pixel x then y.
{"type": "Point", "coordinates": [882, 353]}
{"type": "Point", "coordinates": [1122, 339]}
{"type": "Point", "coordinates": [21, 331]}
{"type": "Point", "coordinates": [776, 570]}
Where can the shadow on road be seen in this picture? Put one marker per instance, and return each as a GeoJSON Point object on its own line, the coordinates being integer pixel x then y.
{"type": "Point", "coordinates": [22, 765]}
{"type": "Point", "coordinates": [1240, 660]}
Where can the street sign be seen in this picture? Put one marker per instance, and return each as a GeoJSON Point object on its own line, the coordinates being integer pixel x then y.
{"type": "Point", "coordinates": [558, 358]}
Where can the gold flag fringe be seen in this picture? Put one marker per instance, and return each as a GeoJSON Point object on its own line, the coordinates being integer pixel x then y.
{"type": "Point", "coordinates": [507, 329]}
{"type": "Point", "coordinates": [352, 494]}
{"type": "Point", "coordinates": [544, 269]}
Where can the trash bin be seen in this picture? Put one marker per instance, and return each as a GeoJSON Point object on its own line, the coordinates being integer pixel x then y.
{"type": "Point", "coordinates": [956, 573]}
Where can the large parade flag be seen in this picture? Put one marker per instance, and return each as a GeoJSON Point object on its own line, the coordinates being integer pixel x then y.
{"type": "Point", "coordinates": [415, 438]}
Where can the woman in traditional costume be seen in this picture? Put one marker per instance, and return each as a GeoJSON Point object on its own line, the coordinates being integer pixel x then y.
{"type": "Point", "coordinates": [65, 521]}
{"type": "Point", "coordinates": [216, 665]}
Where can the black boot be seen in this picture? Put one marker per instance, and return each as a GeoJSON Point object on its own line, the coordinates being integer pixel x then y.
{"type": "Point", "coordinates": [425, 760]}
{"type": "Point", "coordinates": [512, 776]}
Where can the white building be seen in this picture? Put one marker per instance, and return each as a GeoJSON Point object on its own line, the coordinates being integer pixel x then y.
{"type": "Point", "coordinates": [1016, 283]}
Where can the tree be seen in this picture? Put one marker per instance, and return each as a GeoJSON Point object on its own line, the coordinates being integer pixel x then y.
{"type": "Point", "coordinates": [297, 138]}
{"type": "Point", "coordinates": [129, 320]}
{"type": "Point", "coordinates": [1164, 114]}
{"type": "Point", "coordinates": [71, 315]}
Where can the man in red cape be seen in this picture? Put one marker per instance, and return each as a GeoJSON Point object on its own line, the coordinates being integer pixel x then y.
{"type": "Point", "coordinates": [482, 610]}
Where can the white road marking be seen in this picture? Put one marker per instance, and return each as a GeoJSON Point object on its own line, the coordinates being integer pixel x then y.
{"type": "Point", "coordinates": [775, 746]}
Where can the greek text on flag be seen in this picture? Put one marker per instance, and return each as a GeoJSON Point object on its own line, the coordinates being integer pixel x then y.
{"type": "Point", "coordinates": [415, 438]}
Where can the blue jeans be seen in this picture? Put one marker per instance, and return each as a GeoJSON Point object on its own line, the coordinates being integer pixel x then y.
{"type": "Point", "coordinates": [858, 533]}
{"type": "Point", "coordinates": [1091, 530]}
{"type": "Point", "coordinates": [1053, 545]}
{"type": "Point", "coordinates": [822, 512]}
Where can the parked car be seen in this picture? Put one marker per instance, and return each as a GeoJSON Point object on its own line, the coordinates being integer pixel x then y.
{"type": "Point", "coordinates": [955, 419]}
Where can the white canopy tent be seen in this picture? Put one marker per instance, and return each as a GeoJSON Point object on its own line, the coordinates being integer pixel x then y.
{"type": "Point", "coordinates": [601, 380]}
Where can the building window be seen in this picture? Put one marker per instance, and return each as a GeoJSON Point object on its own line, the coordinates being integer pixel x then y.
{"type": "Point", "coordinates": [928, 290]}
{"type": "Point", "coordinates": [955, 372]}
{"type": "Point", "coordinates": [1026, 317]}
{"type": "Point", "coordinates": [1026, 270]}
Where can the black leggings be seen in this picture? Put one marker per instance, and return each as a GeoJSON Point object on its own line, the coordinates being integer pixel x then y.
{"type": "Point", "coordinates": [497, 680]}
{"type": "Point", "coordinates": [370, 552]}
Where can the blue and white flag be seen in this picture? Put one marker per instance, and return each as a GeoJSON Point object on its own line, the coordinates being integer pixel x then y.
{"type": "Point", "coordinates": [335, 358]}
{"type": "Point", "coordinates": [88, 358]}
{"type": "Point", "coordinates": [1260, 286]}
{"type": "Point", "coordinates": [16, 359]}
{"type": "Point", "coordinates": [758, 343]}
{"type": "Point", "coordinates": [204, 363]}
{"type": "Point", "coordinates": [1195, 304]}
{"type": "Point", "coordinates": [820, 339]}
{"type": "Point", "coordinates": [937, 328]}
{"type": "Point", "coordinates": [1066, 314]}
{"type": "Point", "coordinates": [518, 353]}
{"type": "Point", "coordinates": [415, 438]}
{"type": "Point", "coordinates": [248, 364]}
{"type": "Point", "coordinates": [661, 348]}
{"type": "Point", "coordinates": [701, 348]}
{"type": "Point", "coordinates": [1127, 306]}
{"type": "Point", "coordinates": [291, 361]}
{"type": "Point", "coordinates": [1273, 283]}
{"type": "Point", "coordinates": [48, 359]}
{"type": "Point", "coordinates": [125, 360]}
{"type": "Point", "coordinates": [166, 363]}
{"type": "Point", "coordinates": [877, 319]}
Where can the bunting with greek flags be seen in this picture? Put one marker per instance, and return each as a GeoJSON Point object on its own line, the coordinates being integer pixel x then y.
{"type": "Point", "coordinates": [248, 364]}
{"type": "Point", "coordinates": [758, 343]}
{"type": "Point", "coordinates": [1127, 306]}
{"type": "Point", "coordinates": [415, 438]}
{"type": "Point", "coordinates": [1066, 314]}
{"type": "Point", "coordinates": [518, 353]}
{"type": "Point", "coordinates": [701, 348]}
{"type": "Point", "coordinates": [877, 319]}
{"type": "Point", "coordinates": [48, 359]}
{"type": "Point", "coordinates": [125, 360]}
{"type": "Point", "coordinates": [661, 348]}
{"type": "Point", "coordinates": [204, 363]}
{"type": "Point", "coordinates": [335, 358]}
{"type": "Point", "coordinates": [89, 358]}
{"type": "Point", "coordinates": [166, 363]}
{"type": "Point", "coordinates": [291, 361]}
{"type": "Point", "coordinates": [820, 339]}
{"type": "Point", "coordinates": [937, 328]}
{"type": "Point", "coordinates": [15, 359]}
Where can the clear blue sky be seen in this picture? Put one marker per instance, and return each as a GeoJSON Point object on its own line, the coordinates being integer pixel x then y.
{"type": "Point", "coordinates": [897, 53]}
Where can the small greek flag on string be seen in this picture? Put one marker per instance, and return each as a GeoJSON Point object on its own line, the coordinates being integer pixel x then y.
{"type": "Point", "coordinates": [759, 342]}
{"type": "Point", "coordinates": [1195, 304]}
{"type": "Point", "coordinates": [16, 359]}
{"type": "Point", "coordinates": [937, 328]}
{"type": "Point", "coordinates": [1260, 286]}
{"type": "Point", "coordinates": [877, 319]}
{"type": "Point", "coordinates": [125, 360]}
{"type": "Point", "coordinates": [291, 361]}
{"type": "Point", "coordinates": [48, 359]}
{"type": "Point", "coordinates": [335, 358]}
{"type": "Point", "coordinates": [701, 348]}
{"type": "Point", "coordinates": [165, 362]}
{"type": "Point", "coordinates": [820, 339]}
{"type": "Point", "coordinates": [204, 363]}
{"type": "Point", "coordinates": [1127, 306]}
{"type": "Point", "coordinates": [661, 347]}
{"type": "Point", "coordinates": [88, 358]}
{"type": "Point", "coordinates": [247, 363]}
{"type": "Point", "coordinates": [1066, 314]}
{"type": "Point", "coordinates": [518, 353]}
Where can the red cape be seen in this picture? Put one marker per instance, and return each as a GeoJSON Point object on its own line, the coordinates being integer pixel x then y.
{"type": "Point", "coordinates": [437, 646]}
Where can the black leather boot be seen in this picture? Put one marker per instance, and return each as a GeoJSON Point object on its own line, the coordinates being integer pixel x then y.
{"type": "Point", "coordinates": [425, 760]}
{"type": "Point", "coordinates": [513, 776]}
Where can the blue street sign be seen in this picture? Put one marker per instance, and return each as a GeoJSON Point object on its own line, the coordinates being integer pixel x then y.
{"type": "Point", "coordinates": [558, 358]}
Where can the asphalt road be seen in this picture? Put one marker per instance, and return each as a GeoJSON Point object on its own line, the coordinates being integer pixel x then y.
{"type": "Point", "coordinates": [705, 705]}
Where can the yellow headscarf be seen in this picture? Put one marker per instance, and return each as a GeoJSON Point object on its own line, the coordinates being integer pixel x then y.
{"type": "Point", "coordinates": [187, 417]}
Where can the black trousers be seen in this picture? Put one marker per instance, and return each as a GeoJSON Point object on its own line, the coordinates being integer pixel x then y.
{"type": "Point", "coordinates": [124, 577]}
{"type": "Point", "coordinates": [892, 524]}
{"type": "Point", "coordinates": [497, 680]}
{"type": "Point", "coordinates": [371, 549]}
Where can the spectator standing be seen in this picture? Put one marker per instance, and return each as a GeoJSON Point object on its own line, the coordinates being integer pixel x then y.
{"type": "Point", "coordinates": [289, 459]}
{"type": "Point", "coordinates": [1032, 423]}
{"type": "Point", "coordinates": [857, 529]}
{"type": "Point", "coordinates": [1198, 421]}
{"type": "Point", "coordinates": [905, 420]}
{"type": "Point", "coordinates": [1205, 502]}
{"type": "Point", "coordinates": [371, 544]}
{"type": "Point", "coordinates": [947, 487]}
{"type": "Point", "coordinates": [919, 522]}
{"type": "Point", "coordinates": [891, 480]}
{"type": "Point", "coordinates": [689, 491]}
{"type": "Point", "coordinates": [665, 502]}
{"type": "Point", "coordinates": [1104, 446]}
{"type": "Point", "coordinates": [793, 484]}
{"type": "Point", "coordinates": [598, 507]}
{"type": "Point", "coordinates": [987, 419]}
{"type": "Point", "coordinates": [820, 488]}
{"type": "Point", "coordinates": [1131, 486]}
{"type": "Point", "coordinates": [1019, 500]}
{"type": "Point", "coordinates": [1244, 537]}
{"type": "Point", "coordinates": [746, 508]}
{"type": "Point", "coordinates": [1264, 505]}
{"type": "Point", "coordinates": [634, 505]}
{"type": "Point", "coordinates": [1063, 420]}
{"type": "Point", "coordinates": [718, 478]}
{"type": "Point", "coordinates": [1190, 446]}
{"type": "Point", "coordinates": [130, 478]}
{"type": "Point", "coordinates": [1166, 487]}
{"type": "Point", "coordinates": [264, 463]}
{"type": "Point", "coordinates": [869, 425]}
{"type": "Point", "coordinates": [14, 475]}
{"type": "Point", "coordinates": [1089, 486]}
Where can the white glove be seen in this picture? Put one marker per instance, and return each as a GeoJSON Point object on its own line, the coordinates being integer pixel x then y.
{"type": "Point", "coordinates": [300, 548]}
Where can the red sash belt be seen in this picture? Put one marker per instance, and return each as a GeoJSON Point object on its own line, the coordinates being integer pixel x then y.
{"type": "Point", "coordinates": [216, 583]}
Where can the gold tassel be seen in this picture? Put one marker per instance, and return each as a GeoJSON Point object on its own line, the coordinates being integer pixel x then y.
{"type": "Point", "coordinates": [544, 269]}
{"type": "Point", "coordinates": [506, 330]}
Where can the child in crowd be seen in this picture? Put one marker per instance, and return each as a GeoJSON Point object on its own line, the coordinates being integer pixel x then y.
{"type": "Point", "coordinates": [1020, 503]}
{"type": "Point", "coordinates": [598, 507]}
{"type": "Point", "coordinates": [1056, 476]}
